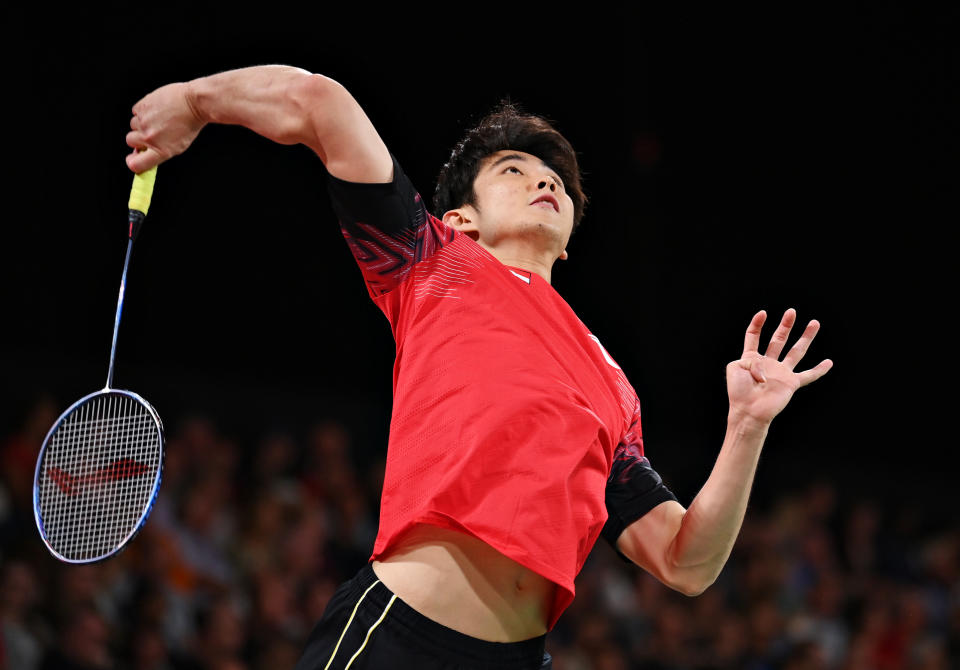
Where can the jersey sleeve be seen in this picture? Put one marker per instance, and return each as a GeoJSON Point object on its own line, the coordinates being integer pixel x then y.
{"type": "Point", "coordinates": [633, 487]}
{"type": "Point", "coordinates": [387, 228]}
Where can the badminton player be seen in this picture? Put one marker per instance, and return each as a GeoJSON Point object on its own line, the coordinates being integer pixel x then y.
{"type": "Point", "coordinates": [515, 440]}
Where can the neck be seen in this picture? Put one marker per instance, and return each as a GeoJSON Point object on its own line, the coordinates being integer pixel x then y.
{"type": "Point", "coordinates": [539, 264]}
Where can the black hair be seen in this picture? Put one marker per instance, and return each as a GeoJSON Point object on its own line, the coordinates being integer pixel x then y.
{"type": "Point", "coordinates": [507, 128]}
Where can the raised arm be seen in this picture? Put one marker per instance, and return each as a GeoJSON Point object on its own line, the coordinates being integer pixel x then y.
{"type": "Point", "coordinates": [285, 104]}
{"type": "Point", "coordinates": [686, 549]}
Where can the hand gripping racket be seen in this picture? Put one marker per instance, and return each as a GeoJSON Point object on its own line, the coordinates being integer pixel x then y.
{"type": "Point", "coordinates": [99, 468]}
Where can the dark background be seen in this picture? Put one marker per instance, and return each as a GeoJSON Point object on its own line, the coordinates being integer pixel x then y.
{"type": "Point", "coordinates": [736, 159]}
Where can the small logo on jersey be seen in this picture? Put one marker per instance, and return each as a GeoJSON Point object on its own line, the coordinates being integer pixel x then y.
{"type": "Point", "coordinates": [526, 279]}
{"type": "Point", "coordinates": [603, 351]}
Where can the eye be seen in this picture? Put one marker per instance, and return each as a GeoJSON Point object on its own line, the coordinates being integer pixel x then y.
{"type": "Point", "coordinates": [514, 168]}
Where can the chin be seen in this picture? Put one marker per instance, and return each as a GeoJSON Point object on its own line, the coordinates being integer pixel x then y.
{"type": "Point", "coordinates": [548, 232]}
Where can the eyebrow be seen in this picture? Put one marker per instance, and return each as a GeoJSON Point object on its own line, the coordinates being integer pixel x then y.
{"type": "Point", "coordinates": [504, 159]}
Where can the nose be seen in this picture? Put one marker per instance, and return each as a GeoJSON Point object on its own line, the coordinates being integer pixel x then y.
{"type": "Point", "coordinates": [546, 182]}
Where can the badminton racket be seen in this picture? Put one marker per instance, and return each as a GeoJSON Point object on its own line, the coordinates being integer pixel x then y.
{"type": "Point", "coordinates": [98, 472]}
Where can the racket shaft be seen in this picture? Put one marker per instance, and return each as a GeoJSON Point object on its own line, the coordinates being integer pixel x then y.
{"type": "Point", "coordinates": [116, 320]}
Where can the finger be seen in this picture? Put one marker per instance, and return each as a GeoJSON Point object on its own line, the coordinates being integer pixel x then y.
{"type": "Point", "coordinates": [800, 347]}
{"type": "Point", "coordinates": [141, 161]}
{"type": "Point", "coordinates": [135, 139]}
{"type": "Point", "coordinates": [755, 365]}
{"type": "Point", "coordinates": [751, 342]}
{"type": "Point", "coordinates": [813, 374]}
{"type": "Point", "coordinates": [779, 337]}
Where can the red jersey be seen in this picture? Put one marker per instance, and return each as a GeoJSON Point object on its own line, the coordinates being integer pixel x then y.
{"type": "Point", "coordinates": [508, 413]}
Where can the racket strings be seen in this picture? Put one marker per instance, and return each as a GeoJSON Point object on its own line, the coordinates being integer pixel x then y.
{"type": "Point", "coordinates": [98, 476]}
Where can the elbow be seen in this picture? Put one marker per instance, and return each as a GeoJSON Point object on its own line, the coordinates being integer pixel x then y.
{"type": "Point", "coordinates": [310, 100]}
{"type": "Point", "coordinates": [692, 588]}
{"type": "Point", "coordinates": [691, 578]}
{"type": "Point", "coordinates": [321, 105]}
{"type": "Point", "coordinates": [691, 582]}
{"type": "Point", "coordinates": [315, 91]}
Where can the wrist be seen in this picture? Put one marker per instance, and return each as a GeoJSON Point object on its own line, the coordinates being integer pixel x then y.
{"type": "Point", "coordinates": [745, 424]}
{"type": "Point", "coordinates": [194, 96]}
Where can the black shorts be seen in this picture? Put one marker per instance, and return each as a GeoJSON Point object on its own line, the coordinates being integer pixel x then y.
{"type": "Point", "coordinates": [365, 626]}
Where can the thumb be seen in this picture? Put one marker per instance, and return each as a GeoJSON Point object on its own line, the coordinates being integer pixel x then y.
{"type": "Point", "coordinates": [755, 366]}
{"type": "Point", "coordinates": [143, 159]}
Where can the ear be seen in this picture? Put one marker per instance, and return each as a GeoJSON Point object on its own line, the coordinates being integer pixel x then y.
{"type": "Point", "coordinates": [464, 220]}
{"type": "Point", "coordinates": [564, 255]}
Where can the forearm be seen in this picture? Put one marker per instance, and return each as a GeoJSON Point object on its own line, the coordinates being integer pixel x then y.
{"type": "Point", "coordinates": [267, 99]}
{"type": "Point", "coordinates": [284, 104]}
{"type": "Point", "coordinates": [709, 527]}
{"type": "Point", "coordinates": [287, 105]}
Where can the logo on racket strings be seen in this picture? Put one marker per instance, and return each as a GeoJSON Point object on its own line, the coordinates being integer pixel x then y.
{"type": "Point", "coordinates": [119, 470]}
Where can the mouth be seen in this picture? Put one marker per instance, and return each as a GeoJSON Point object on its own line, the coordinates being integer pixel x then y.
{"type": "Point", "coordinates": [549, 199]}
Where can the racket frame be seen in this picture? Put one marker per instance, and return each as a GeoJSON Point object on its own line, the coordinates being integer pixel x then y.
{"type": "Point", "coordinates": [153, 493]}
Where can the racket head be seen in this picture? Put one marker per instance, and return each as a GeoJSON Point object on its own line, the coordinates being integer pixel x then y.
{"type": "Point", "coordinates": [98, 475]}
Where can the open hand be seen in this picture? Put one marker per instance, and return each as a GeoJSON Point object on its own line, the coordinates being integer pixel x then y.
{"type": "Point", "coordinates": [760, 386]}
{"type": "Point", "coordinates": [163, 125]}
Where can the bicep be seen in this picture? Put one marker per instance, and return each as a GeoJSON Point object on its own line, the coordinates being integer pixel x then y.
{"type": "Point", "coordinates": [647, 540]}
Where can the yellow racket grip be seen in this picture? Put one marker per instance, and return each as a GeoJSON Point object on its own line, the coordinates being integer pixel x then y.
{"type": "Point", "coordinates": [142, 190]}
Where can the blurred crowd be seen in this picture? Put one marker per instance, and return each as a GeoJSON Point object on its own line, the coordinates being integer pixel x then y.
{"type": "Point", "coordinates": [252, 534]}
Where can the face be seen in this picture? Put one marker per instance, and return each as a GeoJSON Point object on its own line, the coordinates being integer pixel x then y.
{"type": "Point", "coordinates": [520, 202]}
